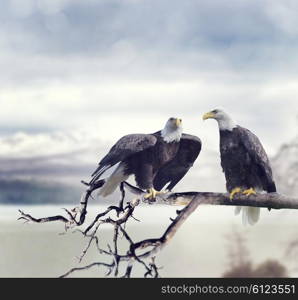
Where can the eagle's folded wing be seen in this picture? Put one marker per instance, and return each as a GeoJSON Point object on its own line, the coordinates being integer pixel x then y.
{"type": "Point", "coordinates": [175, 170]}
{"type": "Point", "coordinates": [126, 146]}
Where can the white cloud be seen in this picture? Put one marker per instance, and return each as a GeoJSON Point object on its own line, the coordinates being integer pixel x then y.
{"type": "Point", "coordinates": [285, 15]}
{"type": "Point", "coordinates": [23, 145]}
{"type": "Point", "coordinates": [22, 8]}
{"type": "Point", "coordinates": [51, 7]}
{"type": "Point", "coordinates": [114, 108]}
{"type": "Point", "coordinates": [81, 74]}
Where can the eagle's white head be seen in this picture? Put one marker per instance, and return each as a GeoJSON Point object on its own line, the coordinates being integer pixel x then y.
{"type": "Point", "coordinates": [225, 122]}
{"type": "Point", "coordinates": [172, 131]}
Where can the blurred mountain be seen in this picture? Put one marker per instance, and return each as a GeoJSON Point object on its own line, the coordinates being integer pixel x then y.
{"type": "Point", "coordinates": [34, 170]}
{"type": "Point", "coordinates": [32, 191]}
{"type": "Point", "coordinates": [17, 191]}
{"type": "Point", "coordinates": [285, 168]}
{"type": "Point", "coordinates": [46, 168]}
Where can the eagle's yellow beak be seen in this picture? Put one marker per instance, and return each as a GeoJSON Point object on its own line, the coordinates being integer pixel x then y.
{"type": "Point", "coordinates": [178, 122]}
{"type": "Point", "coordinates": [209, 115]}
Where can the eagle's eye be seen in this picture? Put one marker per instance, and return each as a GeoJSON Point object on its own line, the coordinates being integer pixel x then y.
{"type": "Point", "coordinates": [215, 111]}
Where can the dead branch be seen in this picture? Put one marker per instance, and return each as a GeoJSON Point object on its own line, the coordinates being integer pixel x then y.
{"type": "Point", "coordinates": [27, 218]}
{"type": "Point", "coordinates": [110, 267]}
{"type": "Point", "coordinates": [270, 200]}
{"type": "Point", "coordinates": [144, 252]}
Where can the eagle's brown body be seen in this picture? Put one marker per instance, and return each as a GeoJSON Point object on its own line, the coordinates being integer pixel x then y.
{"type": "Point", "coordinates": [146, 164]}
{"type": "Point", "coordinates": [154, 159]}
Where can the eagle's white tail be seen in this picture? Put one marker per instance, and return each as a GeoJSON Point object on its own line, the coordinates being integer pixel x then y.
{"type": "Point", "coordinates": [113, 181]}
{"type": "Point", "coordinates": [250, 215]}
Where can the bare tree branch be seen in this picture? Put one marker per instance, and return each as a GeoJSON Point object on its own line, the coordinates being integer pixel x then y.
{"type": "Point", "coordinates": [110, 267]}
{"type": "Point", "coordinates": [266, 200]}
{"type": "Point", "coordinates": [270, 200]}
{"type": "Point", "coordinates": [28, 218]}
{"type": "Point", "coordinates": [144, 252]}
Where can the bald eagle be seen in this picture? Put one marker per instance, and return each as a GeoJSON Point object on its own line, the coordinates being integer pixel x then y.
{"type": "Point", "coordinates": [156, 159]}
{"type": "Point", "coordinates": [244, 161]}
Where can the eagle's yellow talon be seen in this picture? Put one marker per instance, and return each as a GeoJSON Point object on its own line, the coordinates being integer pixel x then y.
{"type": "Point", "coordinates": [249, 192]}
{"type": "Point", "coordinates": [152, 193]}
{"type": "Point", "coordinates": [234, 192]}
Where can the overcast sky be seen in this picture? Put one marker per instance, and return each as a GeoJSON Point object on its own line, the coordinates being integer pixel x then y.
{"type": "Point", "coordinates": [76, 73]}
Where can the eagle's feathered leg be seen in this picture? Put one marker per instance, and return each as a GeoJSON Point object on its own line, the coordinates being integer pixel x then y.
{"type": "Point", "coordinates": [249, 192]}
{"type": "Point", "coordinates": [152, 193]}
{"type": "Point", "coordinates": [250, 215]}
{"type": "Point", "coordinates": [235, 191]}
